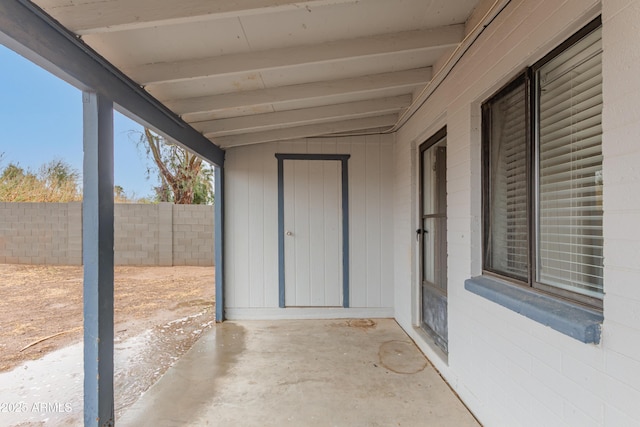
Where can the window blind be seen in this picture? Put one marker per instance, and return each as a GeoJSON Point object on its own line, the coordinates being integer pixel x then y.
{"type": "Point", "coordinates": [508, 235]}
{"type": "Point", "coordinates": [569, 198]}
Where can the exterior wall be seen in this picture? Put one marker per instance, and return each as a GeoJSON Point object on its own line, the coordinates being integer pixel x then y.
{"type": "Point", "coordinates": [162, 234]}
{"type": "Point", "coordinates": [41, 233]}
{"type": "Point", "coordinates": [252, 219]}
{"type": "Point", "coordinates": [618, 373]}
{"type": "Point", "coordinates": [192, 235]}
{"type": "Point", "coordinates": [136, 234]}
{"type": "Point", "coordinates": [508, 369]}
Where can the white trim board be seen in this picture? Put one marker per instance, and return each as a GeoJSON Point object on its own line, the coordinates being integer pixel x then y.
{"type": "Point", "coordinates": [307, 313]}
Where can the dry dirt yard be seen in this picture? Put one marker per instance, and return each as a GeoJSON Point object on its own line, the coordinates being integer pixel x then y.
{"type": "Point", "coordinates": [41, 311]}
{"type": "Point", "coordinates": [40, 301]}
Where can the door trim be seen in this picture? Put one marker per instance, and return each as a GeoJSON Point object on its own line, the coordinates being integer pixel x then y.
{"type": "Point", "coordinates": [342, 158]}
{"type": "Point", "coordinates": [439, 341]}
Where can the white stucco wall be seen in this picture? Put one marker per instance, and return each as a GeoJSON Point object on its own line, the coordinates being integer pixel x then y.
{"type": "Point", "coordinates": [252, 219]}
{"type": "Point", "coordinates": [508, 369]}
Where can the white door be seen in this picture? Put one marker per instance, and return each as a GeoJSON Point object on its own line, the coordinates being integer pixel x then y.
{"type": "Point", "coordinates": [313, 233]}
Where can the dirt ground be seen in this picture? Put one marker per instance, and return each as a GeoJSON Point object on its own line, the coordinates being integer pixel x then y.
{"type": "Point", "coordinates": [41, 308]}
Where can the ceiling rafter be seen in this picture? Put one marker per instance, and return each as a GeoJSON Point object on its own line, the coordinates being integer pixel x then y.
{"type": "Point", "coordinates": [372, 84]}
{"type": "Point", "coordinates": [33, 34]}
{"type": "Point", "coordinates": [307, 131]}
{"type": "Point", "coordinates": [304, 116]}
{"type": "Point", "coordinates": [248, 71]}
{"type": "Point", "coordinates": [416, 40]}
{"type": "Point", "coordinates": [91, 17]}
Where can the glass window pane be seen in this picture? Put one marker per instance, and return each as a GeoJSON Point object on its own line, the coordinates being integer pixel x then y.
{"type": "Point", "coordinates": [428, 190]}
{"type": "Point", "coordinates": [434, 179]}
{"type": "Point", "coordinates": [569, 216]}
{"type": "Point", "coordinates": [507, 240]}
{"type": "Point", "coordinates": [428, 251]}
{"type": "Point", "coordinates": [434, 225]}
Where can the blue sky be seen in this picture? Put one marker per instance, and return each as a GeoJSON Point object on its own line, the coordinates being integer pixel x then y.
{"type": "Point", "coordinates": [41, 120]}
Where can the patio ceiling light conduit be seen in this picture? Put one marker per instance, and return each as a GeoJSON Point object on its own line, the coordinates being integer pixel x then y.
{"type": "Point", "coordinates": [33, 33]}
{"type": "Point", "coordinates": [496, 8]}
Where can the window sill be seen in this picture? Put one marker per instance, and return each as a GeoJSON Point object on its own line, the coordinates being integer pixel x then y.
{"type": "Point", "coordinates": [577, 322]}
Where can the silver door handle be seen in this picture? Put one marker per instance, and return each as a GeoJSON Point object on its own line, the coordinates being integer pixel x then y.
{"type": "Point", "coordinates": [289, 233]}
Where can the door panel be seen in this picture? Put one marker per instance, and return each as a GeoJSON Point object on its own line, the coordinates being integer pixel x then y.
{"type": "Point", "coordinates": [433, 239]}
{"type": "Point", "coordinates": [313, 233]}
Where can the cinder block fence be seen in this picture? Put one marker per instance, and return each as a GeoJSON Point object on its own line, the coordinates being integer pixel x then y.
{"type": "Point", "coordinates": [161, 234]}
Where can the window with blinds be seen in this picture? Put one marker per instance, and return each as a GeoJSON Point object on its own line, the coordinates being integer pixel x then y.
{"type": "Point", "coordinates": [543, 173]}
{"type": "Point", "coordinates": [570, 168]}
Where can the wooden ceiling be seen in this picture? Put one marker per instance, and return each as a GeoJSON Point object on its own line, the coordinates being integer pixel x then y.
{"type": "Point", "coordinates": [252, 71]}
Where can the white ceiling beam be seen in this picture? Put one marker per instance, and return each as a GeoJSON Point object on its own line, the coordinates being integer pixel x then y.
{"type": "Point", "coordinates": [306, 131]}
{"type": "Point", "coordinates": [305, 116]}
{"type": "Point", "coordinates": [408, 79]}
{"type": "Point", "coordinates": [90, 16]}
{"type": "Point", "coordinates": [34, 35]}
{"type": "Point", "coordinates": [378, 45]}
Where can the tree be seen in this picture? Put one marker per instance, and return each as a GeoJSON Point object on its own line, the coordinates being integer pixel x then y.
{"type": "Point", "coordinates": [58, 173]}
{"type": "Point", "coordinates": [184, 177]}
{"type": "Point", "coordinates": [120, 196]}
{"type": "Point", "coordinates": [14, 172]}
{"type": "Point", "coordinates": [55, 181]}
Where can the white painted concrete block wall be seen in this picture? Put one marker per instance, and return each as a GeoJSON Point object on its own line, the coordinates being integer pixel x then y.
{"type": "Point", "coordinates": [403, 231]}
{"type": "Point", "coordinates": [252, 220]}
{"type": "Point", "coordinates": [619, 376]}
{"type": "Point", "coordinates": [508, 369]}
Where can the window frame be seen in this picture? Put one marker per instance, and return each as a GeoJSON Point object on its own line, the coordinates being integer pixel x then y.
{"type": "Point", "coordinates": [486, 161]}
{"type": "Point", "coordinates": [532, 119]}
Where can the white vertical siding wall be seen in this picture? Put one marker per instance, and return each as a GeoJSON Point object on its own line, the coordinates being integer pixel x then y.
{"type": "Point", "coordinates": [252, 226]}
{"type": "Point", "coordinates": [508, 369]}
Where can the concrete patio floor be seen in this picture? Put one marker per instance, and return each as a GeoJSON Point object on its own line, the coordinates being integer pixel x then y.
{"type": "Point", "coordinates": [301, 373]}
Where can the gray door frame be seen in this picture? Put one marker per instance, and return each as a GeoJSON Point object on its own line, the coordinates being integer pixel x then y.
{"type": "Point", "coordinates": [343, 159]}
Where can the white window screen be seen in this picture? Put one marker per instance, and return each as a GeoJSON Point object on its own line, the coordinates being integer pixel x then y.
{"type": "Point", "coordinates": [569, 195]}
